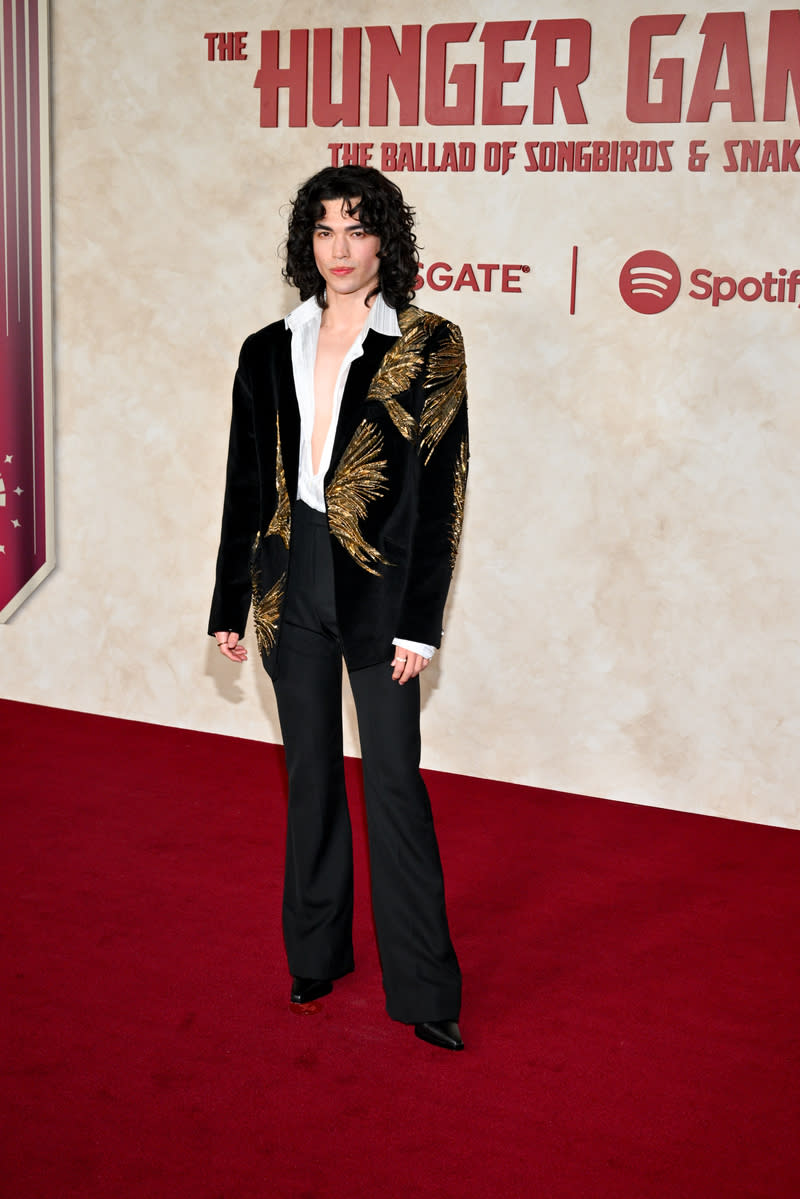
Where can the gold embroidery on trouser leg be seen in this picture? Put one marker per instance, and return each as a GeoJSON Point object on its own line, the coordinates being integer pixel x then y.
{"type": "Point", "coordinates": [459, 492]}
{"type": "Point", "coordinates": [281, 521]}
{"type": "Point", "coordinates": [360, 477]}
{"type": "Point", "coordinates": [266, 611]}
{"type": "Point", "coordinates": [447, 383]}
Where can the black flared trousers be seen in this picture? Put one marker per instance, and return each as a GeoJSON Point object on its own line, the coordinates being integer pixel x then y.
{"type": "Point", "coordinates": [421, 976]}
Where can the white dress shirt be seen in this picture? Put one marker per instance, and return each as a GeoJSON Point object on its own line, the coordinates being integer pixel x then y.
{"type": "Point", "coordinates": [304, 324]}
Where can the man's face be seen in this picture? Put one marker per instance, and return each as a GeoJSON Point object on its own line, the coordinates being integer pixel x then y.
{"type": "Point", "coordinates": [346, 255]}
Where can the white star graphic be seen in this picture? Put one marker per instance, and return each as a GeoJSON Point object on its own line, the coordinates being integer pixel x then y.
{"type": "Point", "coordinates": [9, 457]}
{"type": "Point", "coordinates": [17, 491]}
{"type": "Point", "coordinates": [16, 524]}
{"type": "Point", "coordinates": [2, 549]}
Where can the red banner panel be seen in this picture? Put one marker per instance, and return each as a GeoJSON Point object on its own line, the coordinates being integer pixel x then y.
{"type": "Point", "coordinates": [26, 430]}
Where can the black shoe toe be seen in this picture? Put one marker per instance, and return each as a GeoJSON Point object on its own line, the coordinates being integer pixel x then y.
{"type": "Point", "coordinates": [306, 990]}
{"type": "Point", "coordinates": [444, 1034]}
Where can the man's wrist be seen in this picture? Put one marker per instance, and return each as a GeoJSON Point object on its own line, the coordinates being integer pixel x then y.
{"type": "Point", "coordinates": [416, 647]}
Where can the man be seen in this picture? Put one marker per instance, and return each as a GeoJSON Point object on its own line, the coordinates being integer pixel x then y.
{"type": "Point", "coordinates": [346, 474]}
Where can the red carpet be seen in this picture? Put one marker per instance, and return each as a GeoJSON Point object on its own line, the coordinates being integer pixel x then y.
{"type": "Point", "coordinates": [631, 992]}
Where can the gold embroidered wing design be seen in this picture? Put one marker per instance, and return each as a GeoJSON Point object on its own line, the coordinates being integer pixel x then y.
{"type": "Point", "coordinates": [399, 366]}
{"type": "Point", "coordinates": [447, 383]}
{"type": "Point", "coordinates": [459, 492]}
{"type": "Point", "coordinates": [402, 420]}
{"type": "Point", "coordinates": [281, 521]}
{"type": "Point", "coordinates": [266, 611]}
{"type": "Point", "coordinates": [359, 478]}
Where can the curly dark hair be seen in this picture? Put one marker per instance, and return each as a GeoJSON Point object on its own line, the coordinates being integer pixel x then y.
{"type": "Point", "coordinates": [379, 205]}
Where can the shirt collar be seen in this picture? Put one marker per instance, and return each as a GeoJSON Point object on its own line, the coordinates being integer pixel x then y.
{"type": "Point", "coordinates": [382, 317]}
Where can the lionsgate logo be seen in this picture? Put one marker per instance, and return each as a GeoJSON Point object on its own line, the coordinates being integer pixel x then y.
{"type": "Point", "coordinates": [650, 282]}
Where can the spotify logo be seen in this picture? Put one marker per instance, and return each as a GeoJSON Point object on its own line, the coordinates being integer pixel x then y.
{"type": "Point", "coordinates": [649, 282]}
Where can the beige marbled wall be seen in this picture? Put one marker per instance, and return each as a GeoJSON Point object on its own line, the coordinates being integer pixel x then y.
{"type": "Point", "coordinates": [624, 620]}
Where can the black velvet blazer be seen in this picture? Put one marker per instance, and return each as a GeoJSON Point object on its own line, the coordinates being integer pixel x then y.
{"type": "Point", "coordinates": [394, 489]}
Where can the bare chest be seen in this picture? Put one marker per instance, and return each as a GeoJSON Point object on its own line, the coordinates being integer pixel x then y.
{"type": "Point", "coordinates": [332, 348]}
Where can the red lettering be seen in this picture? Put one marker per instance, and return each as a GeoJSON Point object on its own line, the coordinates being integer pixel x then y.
{"type": "Point", "coordinates": [497, 72]}
{"type": "Point", "coordinates": [350, 153]}
{"type": "Point", "coordinates": [491, 156]}
{"type": "Point", "coordinates": [561, 66]}
{"type": "Point", "coordinates": [730, 157]}
{"type": "Point", "coordinates": [419, 164]}
{"type": "Point", "coordinates": [628, 153]}
{"type": "Point", "coordinates": [723, 288]}
{"type": "Point", "coordinates": [566, 80]}
{"type": "Point", "coordinates": [225, 47]}
{"type": "Point", "coordinates": [405, 157]}
{"type": "Point", "coordinates": [769, 283]}
{"type": "Point", "coordinates": [440, 276]}
{"type": "Point", "coordinates": [783, 63]}
{"type": "Point", "coordinates": [398, 64]}
{"type": "Point", "coordinates": [270, 78]}
{"type": "Point", "coordinates": [449, 160]}
{"type": "Point", "coordinates": [565, 152]}
{"type": "Point", "coordinates": [751, 151]}
{"type": "Point", "coordinates": [510, 276]}
{"type": "Point", "coordinates": [725, 33]}
{"type": "Point", "coordinates": [789, 155]}
{"type": "Point", "coordinates": [231, 46]}
{"type": "Point", "coordinates": [749, 288]}
{"type": "Point", "coordinates": [324, 111]}
{"type": "Point", "coordinates": [462, 76]}
{"type": "Point", "coordinates": [647, 156]}
{"type": "Point", "coordinates": [580, 157]}
{"type": "Point", "coordinates": [600, 157]}
{"type": "Point", "coordinates": [701, 283]}
{"type": "Point", "coordinates": [640, 108]}
{"type": "Point", "coordinates": [440, 284]}
{"type": "Point", "coordinates": [466, 278]}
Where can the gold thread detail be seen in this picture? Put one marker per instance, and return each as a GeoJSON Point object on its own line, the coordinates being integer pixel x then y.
{"type": "Point", "coordinates": [447, 384]}
{"type": "Point", "coordinates": [267, 611]}
{"type": "Point", "coordinates": [459, 493]}
{"type": "Point", "coordinates": [360, 477]}
{"type": "Point", "coordinates": [281, 522]}
{"type": "Point", "coordinates": [402, 420]}
{"type": "Point", "coordinates": [399, 366]}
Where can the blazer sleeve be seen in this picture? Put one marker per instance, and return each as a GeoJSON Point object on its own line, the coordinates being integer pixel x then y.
{"type": "Point", "coordinates": [240, 511]}
{"type": "Point", "coordinates": [443, 451]}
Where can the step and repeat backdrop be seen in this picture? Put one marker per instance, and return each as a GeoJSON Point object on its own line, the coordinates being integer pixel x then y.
{"type": "Point", "coordinates": [606, 196]}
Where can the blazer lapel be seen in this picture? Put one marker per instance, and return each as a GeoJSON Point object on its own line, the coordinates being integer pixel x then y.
{"type": "Point", "coordinates": [362, 372]}
{"type": "Point", "coordinates": [288, 416]}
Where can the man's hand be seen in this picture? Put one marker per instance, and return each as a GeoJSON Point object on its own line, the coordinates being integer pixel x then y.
{"type": "Point", "coordinates": [406, 665]}
{"type": "Point", "coordinates": [231, 647]}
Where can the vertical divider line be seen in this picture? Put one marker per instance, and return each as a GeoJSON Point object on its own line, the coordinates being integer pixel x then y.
{"type": "Point", "coordinates": [15, 79]}
{"type": "Point", "coordinates": [31, 235]}
{"type": "Point", "coordinates": [4, 152]}
{"type": "Point", "coordinates": [47, 539]}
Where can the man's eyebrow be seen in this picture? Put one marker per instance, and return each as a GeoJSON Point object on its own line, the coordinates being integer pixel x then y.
{"type": "Point", "coordinates": [322, 225]}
